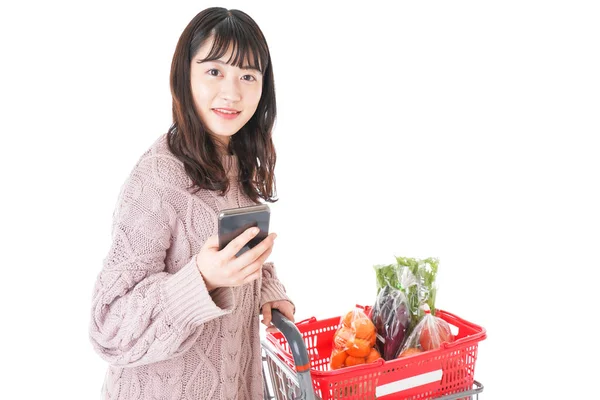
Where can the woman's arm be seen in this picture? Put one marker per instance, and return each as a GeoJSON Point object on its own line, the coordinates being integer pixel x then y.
{"type": "Point", "coordinates": [140, 313]}
{"type": "Point", "coordinates": [272, 289]}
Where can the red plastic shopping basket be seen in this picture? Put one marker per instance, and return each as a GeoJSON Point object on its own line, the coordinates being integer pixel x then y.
{"type": "Point", "coordinates": [449, 369]}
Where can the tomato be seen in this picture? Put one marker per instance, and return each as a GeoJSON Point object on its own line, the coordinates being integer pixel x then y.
{"type": "Point", "coordinates": [441, 333]}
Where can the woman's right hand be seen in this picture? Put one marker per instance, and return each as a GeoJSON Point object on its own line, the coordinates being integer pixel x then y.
{"type": "Point", "coordinates": [224, 269]}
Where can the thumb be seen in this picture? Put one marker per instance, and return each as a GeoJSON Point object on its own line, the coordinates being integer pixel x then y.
{"type": "Point", "coordinates": [212, 242]}
{"type": "Point", "coordinates": [266, 312]}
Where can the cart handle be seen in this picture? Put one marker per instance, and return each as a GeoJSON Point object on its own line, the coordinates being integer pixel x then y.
{"type": "Point", "coordinates": [294, 339]}
{"type": "Point", "coordinates": [298, 348]}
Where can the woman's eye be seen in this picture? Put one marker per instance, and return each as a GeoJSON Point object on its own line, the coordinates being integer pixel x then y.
{"type": "Point", "coordinates": [249, 78]}
{"type": "Point", "coordinates": [213, 72]}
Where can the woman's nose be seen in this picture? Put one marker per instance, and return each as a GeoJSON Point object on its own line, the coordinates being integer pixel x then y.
{"type": "Point", "coordinates": [230, 90]}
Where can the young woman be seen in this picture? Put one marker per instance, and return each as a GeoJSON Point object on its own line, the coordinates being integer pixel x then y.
{"type": "Point", "coordinates": [173, 316]}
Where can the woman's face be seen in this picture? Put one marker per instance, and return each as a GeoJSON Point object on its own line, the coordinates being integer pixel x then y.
{"type": "Point", "coordinates": [225, 96]}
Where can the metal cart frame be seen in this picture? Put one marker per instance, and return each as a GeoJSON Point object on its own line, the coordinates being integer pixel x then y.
{"type": "Point", "coordinates": [288, 384]}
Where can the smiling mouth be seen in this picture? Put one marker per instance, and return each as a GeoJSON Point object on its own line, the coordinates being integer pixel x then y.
{"type": "Point", "coordinates": [226, 110]}
{"type": "Point", "coordinates": [227, 114]}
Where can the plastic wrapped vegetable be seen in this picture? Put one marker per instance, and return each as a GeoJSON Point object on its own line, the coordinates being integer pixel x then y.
{"type": "Point", "coordinates": [391, 317]}
{"type": "Point", "coordinates": [386, 275]}
{"type": "Point", "coordinates": [429, 334]}
{"type": "Point", "coordinates": [353, 341]}
{"type": "Point", "coordinates": [417, 280]}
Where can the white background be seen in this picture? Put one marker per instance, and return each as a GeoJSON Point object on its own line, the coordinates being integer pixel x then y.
{"type": "Point", "coordinates": [462, 130]}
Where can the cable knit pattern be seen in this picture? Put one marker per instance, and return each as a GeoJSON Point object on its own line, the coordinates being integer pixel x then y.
{"type": "Point", "coordinates": [153, 320]}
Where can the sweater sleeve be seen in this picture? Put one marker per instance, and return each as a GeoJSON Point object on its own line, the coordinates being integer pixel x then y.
{"type": "Point", "coordinates": [141, 313]}
{"type": "Point", "coordinates": [271, 289]}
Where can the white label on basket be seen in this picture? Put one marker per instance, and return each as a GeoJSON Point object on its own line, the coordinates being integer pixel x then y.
{"type": "Point", "coordinates": [413, 381]}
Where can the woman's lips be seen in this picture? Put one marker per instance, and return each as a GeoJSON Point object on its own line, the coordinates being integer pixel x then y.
{"type": "Point", "coordinates": [226, 114]}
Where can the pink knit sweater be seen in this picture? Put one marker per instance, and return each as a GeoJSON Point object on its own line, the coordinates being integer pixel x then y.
{"type": "Point", "coordinates": [153, 321]}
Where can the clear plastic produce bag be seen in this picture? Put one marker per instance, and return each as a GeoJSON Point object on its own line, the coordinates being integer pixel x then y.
{"type": "Point", "coordinates": [354, 341]}
{"type": "Point", "coordinates": [391, 317]}
{"type": "Point", "coordinates": [429, 334]}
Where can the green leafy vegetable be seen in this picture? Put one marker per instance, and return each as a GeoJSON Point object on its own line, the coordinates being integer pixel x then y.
{"type": "Point", "coordinates": [386, 275]}
{"type": "Point", "coordinates": [425, 271]}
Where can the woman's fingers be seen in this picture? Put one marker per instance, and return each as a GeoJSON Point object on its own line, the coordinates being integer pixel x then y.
{"type": "Point", "coordinates": [255, 253]}
{"type": "Point", "coordinates": [241, 274]}
{"type": "Point", "coordinates": [254, 270]}
{"type": "Point", "coordinates": [272, 329]}
{"type": "Point", "coordinates": [288, 312]}
{"type": "Point", "coordinates": [266, 312]}
{"type": "Point", "coordinates": [252, 277]}
{"type": "Point", "coordinates": [250, 268]}
{"type": "Point", "coordinates": [236, 244]}
{"type": "Point", "coordinates": [223, 269]}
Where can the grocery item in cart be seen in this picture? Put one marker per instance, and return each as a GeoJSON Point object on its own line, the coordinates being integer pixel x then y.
{"type": "Point", "coordinates": [354, 341]}
{"type": "Point", "coordinates": [391, 316]}
{"type": "Point", "coordinates": [416, 279]}
{"type": "Point", "coordinates": [429, 334]}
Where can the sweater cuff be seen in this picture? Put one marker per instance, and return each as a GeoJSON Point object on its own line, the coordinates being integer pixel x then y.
{"type": "Point", "coordinates": [187, 300]}
{"type": "Point", "coordinates": [272, 290]}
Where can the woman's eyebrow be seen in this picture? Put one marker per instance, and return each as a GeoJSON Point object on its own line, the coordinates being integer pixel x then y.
{"type": "Point", "coordinates": [248, 67]}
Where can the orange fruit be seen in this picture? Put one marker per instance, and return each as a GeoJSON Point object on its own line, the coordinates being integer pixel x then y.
{"type": "Point", "coordinates": [358, 348]}
{"type": "Point", "coordinates": [364, 329]}
{"type": "Point", "coordinates": [372, 340]}
{"type": "Point", "coordinates": [410, 352]}
{"type": "Point", "coordinates": [373, 355]}
{"type": "Point", "coordinates": [352, 316]}
{"type": "Point", "coordinates": [338, 358]}
{"type": "Point", "coordinates": [347, 320]}
{"type": "Point", "coordinates": [341, 337]}
{"type": "Point", "coordinates": [350, 361]}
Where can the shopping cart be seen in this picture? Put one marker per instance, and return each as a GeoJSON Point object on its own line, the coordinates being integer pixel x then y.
{"type": "Point", "coordinates": [297, 362]}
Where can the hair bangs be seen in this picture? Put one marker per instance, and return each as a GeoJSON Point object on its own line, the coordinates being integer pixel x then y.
{"type": "Point", "coordinates": [247, 49]}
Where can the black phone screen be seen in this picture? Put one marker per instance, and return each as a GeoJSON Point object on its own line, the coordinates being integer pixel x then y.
{"type": "Point", "coordinates": [233, 222]}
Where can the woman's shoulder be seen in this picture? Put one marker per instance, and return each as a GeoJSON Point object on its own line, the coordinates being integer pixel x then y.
{"type": "Point", "coordinates": [161, 165]}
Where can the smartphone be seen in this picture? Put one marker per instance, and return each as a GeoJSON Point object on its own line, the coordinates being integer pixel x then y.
{"type": "Point", "coordinates": [234, 221]}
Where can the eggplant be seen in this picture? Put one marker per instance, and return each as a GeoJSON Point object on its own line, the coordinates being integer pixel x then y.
{"type": "Point", "coordinates": [391, 317]}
